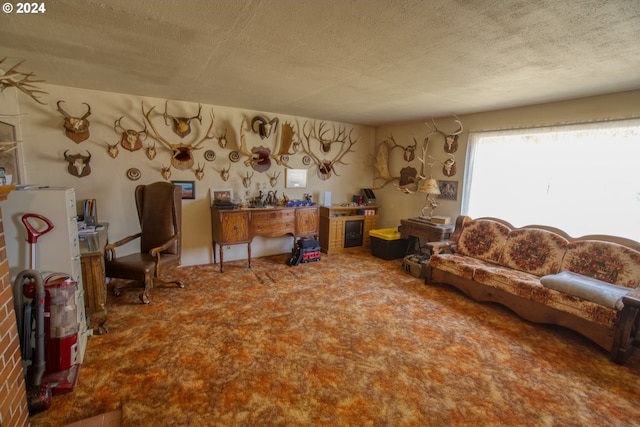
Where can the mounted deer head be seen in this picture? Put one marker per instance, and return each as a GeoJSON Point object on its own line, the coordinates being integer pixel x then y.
{"type": "Point", "coordinates": [199, 172]}
{"type": "Point", "coordinates": [130, 139]}
{"type": "Point", "coordinates": [112, 150]}
{"type": "Point", "coordinates": [165, 171]}
{"type": "Point", "coordinates": [450, 140]}
{"type": "Point", "coordinates": [259, 158]}
{"type": "Point", "coordinates": [224, 173]}
{"type": "Point", "coordinates": [24, 82]}
{"type": "Point", "coordinates": [76, 128]}
{"type": "Point", "coordinates": [273, 179]}
{"type": "Point", "coordinates": [181, 125]}
{"type": "Point", "coordinates": [78, 164]}
{"type": "Point", "coordinates": [246, 180]}
{"type": "Point", "coordinates": [222, 139]}
{"type": "Point", "coordinates": [150, 151]}
{"type": "Point", "coordinates": [182, 157]}
{"type": "Point", "coordinates": [327, 167]}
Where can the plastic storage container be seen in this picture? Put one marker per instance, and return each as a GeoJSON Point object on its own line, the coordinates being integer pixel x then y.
{"type": "Point", "coordinates": [387, 244]}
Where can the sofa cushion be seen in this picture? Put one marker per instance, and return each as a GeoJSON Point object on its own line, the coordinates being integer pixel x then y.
{"type": "Point", "coordinates": [534, 251]}
{"type": "Point", "coordinates": [528, 286]}
{"type": "Point", "coordinates": [587, 288]}
{"type": "Point", "coordinates": [606, 261]}
{"type": "Point", "coordinates": [483, 239]}
{"type": "Point", "coordinates": [459, 265]}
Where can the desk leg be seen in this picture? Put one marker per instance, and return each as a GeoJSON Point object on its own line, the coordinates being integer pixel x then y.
{"type": "Point", "coordinates": [214, 251]}
{"type": "Point", "coordinates": [249, 254]}
{"type": "Point", "coordinates": [221, 257]}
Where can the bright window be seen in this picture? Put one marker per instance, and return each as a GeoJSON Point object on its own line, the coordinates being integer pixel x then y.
{"type": "Point", "coordinates": [583, 179]}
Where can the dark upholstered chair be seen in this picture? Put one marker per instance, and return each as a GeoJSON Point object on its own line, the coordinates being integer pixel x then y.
{"type": "Point", "coordinates": [159, 208]}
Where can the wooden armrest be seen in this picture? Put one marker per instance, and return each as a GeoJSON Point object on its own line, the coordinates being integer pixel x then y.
{"type": "Point", "coordinates": [157, 250]}
{"type": "Point", "coordinates": [439, 247]}
{"type": "Point", "coordinates": [632, 298]}
{"type": "Point", "coordinates": [110, 249]}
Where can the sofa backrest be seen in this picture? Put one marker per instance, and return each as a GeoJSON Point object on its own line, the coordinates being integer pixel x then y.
{"type": "Point", "coordinates": [534, 251]}
{"type": "Point", "coordinates": [606, 261]}
{"type": "Point", "coordinates": [483, 239]}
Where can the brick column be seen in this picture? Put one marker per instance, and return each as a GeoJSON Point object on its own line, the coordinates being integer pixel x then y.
{"type": "Point", "coordinates": [13, 397]}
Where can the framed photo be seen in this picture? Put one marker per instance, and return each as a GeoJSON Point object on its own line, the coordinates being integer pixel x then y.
{"type": "Point", "coordinates": [188, 188]}
{"type": "Point", "coordinates": [295, 178]}
{"type": "Point", "coordinates": [448, 190]}
{"type": "Point", "coordinates": [223, 194]}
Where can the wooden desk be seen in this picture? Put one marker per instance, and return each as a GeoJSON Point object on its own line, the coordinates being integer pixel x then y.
{"type": "Point", "coordinates": [93, 277]}
{"type": "Point", "coordinates": [415, 227]}
{"type": "Point", "coordinates": [235, 226]}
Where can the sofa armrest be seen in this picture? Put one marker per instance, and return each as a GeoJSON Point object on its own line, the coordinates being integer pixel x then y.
{"type": "Point", "coordinates": [632, 298]}
{"type": "Point", "coordinates": [440, 247]}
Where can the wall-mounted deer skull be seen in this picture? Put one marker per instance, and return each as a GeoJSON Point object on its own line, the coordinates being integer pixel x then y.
{"type": "Point", "coordinates": [182, 157]}
{"type": "Point", "coordinates": [224, 173]}
{"type": "Point", "coordinates": [199, 172]}
{"type": "Point", "coordinates": [150, 151]}
{"type": "Point", "coordinates": [181, 125]}
{"type": "Point", "coordinates": [130, 139]}
{"type": "Point", "coordinates": [78, 164]}
{"type": "Point", "coordinates": [165, 171]}
{"type": "Point", "coordinates": [222, 139]}
{"type": "Point", "coordinates": [326, 167]}
{"type": "Point", "coordinates": [246, 180]}
{"type": "Point", "coordinates": [112, 150]}
{"type": "Point", "coordinates": [76, 128]}
{"type": "Point", "coordinates": [273, 179]}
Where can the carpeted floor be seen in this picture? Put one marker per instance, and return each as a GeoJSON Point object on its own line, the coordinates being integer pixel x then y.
{"type": "Point", "coordinates": [347, 341]}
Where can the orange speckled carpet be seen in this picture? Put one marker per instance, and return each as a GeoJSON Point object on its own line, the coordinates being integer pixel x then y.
{"type": "Point", "coordinates": [347, 341]}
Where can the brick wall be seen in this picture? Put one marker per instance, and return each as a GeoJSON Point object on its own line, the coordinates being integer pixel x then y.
{"type": "Point", "coordinates": [13, 400]}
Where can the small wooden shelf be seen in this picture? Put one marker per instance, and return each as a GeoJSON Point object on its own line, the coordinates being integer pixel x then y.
{"type": "Point", "coordinates": [332, 226]}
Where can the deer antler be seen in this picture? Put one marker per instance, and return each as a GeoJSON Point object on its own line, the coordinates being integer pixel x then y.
{"type": "Point", "coordinates": [326, 167]}
{"type": "Point", "coordinates": [24, 82]}
{"type": "Point", "coordinates": [253, 158]}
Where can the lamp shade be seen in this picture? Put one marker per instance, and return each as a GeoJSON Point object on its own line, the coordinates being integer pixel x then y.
{"type": "Point", "coordinates": [430, 186]}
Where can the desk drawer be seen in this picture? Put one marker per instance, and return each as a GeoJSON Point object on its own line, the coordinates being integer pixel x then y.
{"type": "Point", "coordinates": [273, 223]}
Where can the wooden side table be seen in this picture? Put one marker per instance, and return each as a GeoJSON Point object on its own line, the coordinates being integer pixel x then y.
{"type": "Point", "coordinates": [419, 228]}
{"type": "Point", "coordinates": [93, 276]}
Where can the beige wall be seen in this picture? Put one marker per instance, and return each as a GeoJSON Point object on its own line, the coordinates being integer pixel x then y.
{"type": "Point", "coordinates": [397, 205]}
{"type": "Point", "coordinates": [44, 143]}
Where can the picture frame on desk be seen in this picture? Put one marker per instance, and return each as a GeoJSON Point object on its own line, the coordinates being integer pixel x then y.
{"type": "Point", "coordinates": [448, 190]}
{"type": "Point", "coordinates": [222, 194]}
{"type": "Point", "coordinates": [188, 188]}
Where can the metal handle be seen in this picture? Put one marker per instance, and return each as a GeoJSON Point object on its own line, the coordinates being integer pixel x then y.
{"type": "Point", "coordinates": [32, 232]}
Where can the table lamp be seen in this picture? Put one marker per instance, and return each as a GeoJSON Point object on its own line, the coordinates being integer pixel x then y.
{"type": "Point", "coordinates": [430, 187]}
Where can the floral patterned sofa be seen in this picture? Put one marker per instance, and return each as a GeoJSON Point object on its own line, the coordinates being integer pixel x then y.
{"type": "Point", "coordinates": [589, 284]}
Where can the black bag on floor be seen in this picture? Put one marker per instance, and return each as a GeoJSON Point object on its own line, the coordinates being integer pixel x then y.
{"type": "Point", "coordinates": [306, 250]}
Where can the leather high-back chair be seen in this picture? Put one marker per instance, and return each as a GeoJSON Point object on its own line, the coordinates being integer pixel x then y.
{"type": "Point", "coordinates": [159, 208]}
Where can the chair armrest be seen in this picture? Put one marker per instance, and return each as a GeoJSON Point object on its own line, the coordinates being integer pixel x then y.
{"type": "Point", "coordinates": [158, 249]}
{"type": "Point", "coordinates": [110, 249]}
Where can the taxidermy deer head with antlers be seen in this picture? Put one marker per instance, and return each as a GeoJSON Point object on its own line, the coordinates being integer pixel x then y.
{"type": "Point", "coordinates": [130, 139]}
{"type": "Point", "coordinates": [259, 158]}
{"type": "Point", "coordinates": [326, 167]}
{"type": "Point", "coordinates": [76, 128]}
{"type": "Point", "coordinates": [181, 125]}
{"type": "Point", "coordinates": [182, 154]}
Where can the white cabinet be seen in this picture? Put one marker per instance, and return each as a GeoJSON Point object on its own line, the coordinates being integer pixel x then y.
{"type": "Point", "coordinates": [58, 251]}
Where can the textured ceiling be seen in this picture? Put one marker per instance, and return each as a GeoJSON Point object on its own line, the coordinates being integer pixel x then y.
{"type": "Point", "coordinates": [356, 61]}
